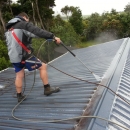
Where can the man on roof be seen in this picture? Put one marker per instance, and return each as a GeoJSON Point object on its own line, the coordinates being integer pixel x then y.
{"type": "Point", "coordinates": [18, 38]}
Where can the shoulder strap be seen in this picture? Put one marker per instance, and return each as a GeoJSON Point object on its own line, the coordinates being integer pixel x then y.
{"type": "Point", "coordinates": [18, 40]}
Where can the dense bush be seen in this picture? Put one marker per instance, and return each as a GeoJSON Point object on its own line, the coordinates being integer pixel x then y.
{"type": "Point", "coordinates": [4, 59]}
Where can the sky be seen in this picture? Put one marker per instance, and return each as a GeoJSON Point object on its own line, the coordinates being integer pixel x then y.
{"type": "Point", "coordinates": [91, 6]}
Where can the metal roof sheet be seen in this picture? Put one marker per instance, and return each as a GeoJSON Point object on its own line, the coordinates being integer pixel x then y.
{"type": "Point", "coordinates": [107, 107]}
{"type": "Point", "coordinates": [70, 102]}
{"type": "Point", "coordinates": [120, 112]}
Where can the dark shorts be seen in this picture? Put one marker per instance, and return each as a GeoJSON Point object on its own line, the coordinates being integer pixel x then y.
{"type": "Point", "coordinates": [31, 63]}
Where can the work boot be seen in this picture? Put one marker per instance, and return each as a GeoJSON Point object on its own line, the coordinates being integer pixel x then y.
{"type": "Point", "coordinates": [49, 90]}
{"type": "Point", "coordinates": [20, 97]}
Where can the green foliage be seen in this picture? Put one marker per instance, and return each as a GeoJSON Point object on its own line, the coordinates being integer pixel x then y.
{"type": "Point", "coordinates": [87, 44]}
{"type": "Point", "coordinates": [23, 6]}
{"type": "Point", "coordinates": [112, 25]}
{"type": "Point", "coordinates": [4, 59]}
{"type": "Point", "coordinates": [65, 31]}
{"type": "Point", "coordinates": [74, 16]}
{"type": "Point", "coordinates": [125, 20]}
{"type": "Point", "coordinates": [66, 10]}
{"type": "Point", "coordinates": [43, 50]}
{"type": "Point", "coordinates": [4, 63]}
{"type": "Point", "coordinates": [108, 26]}
{"type": "Point", "coordinates": [7, 16]}
{"type": "Point", "coordinates": [76, 20]}
{"type": "Point", "coordinates": [3, 50]}
{"type": "Point", "coordinates": [36, 43]}
{"type": "Point", "coordinates": [127, 8]}
{"type": "Point", "coordinates": [93, 28]}
{"type": "Point", "coordinates": [45, 12]}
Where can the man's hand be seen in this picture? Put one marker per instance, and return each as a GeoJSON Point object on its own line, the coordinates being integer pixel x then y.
{"type": "Point", "coordinates": [57, 40]}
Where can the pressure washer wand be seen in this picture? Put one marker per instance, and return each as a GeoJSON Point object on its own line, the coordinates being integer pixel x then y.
{"type": "Point", "coordinates": [68, 49]}
{"type": "Point", "coordinates": [76, 57]}
{"type": "Point", "coordinates": [96, 76]}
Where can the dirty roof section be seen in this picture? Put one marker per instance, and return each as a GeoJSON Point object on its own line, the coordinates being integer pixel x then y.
{"type": "Point", "coordinates": [76, 98]}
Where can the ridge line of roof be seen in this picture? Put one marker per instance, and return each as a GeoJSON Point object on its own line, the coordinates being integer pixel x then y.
{"type": "Point", "coordinates": [110, 82]}
{"type": "Point", "coordinates": [105, 81]}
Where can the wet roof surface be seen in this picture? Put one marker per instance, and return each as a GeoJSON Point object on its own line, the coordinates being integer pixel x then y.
{"type": "Point", "coordinates": [73, 99]}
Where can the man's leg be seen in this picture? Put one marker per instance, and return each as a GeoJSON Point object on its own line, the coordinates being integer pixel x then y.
{"type": "Point", "coordinates": [43, 73]}
{"type": "Point", "coordinates": [18, 84]}
{"type": "Point", "coordinates": [19, 80]}
{"type": "Point", "coordinates": [44, 76]}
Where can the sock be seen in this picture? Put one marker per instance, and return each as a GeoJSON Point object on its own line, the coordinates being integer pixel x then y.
{"type": "Point", "coordinates": [47, 85]}
{"type": "Point", "coordinates": [19, 94]}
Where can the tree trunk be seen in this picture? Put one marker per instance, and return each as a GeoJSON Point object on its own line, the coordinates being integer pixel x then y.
{"type": "Point", "coordinates": [2, 20]}
{"type": "Point", "coordinates": [10, 7]}
{"type": "Point", "coordinates": [39, 14]}
{"type": "Point", "coordinates": [33, 12]}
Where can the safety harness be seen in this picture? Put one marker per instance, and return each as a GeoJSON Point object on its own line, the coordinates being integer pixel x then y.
{"type": "Point", "coordinates": [19, 42]}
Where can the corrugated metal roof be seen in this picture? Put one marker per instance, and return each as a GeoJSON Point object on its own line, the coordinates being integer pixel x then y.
{"type": "Point", "coordinates": [73, 99]}
{"type": "Point", "coordinates": [107, 103]}
{"type": "Point", "coordinates": [120, 112]}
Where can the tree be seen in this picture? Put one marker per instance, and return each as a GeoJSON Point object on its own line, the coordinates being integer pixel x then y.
{"type": "Point", "coordinates": [9, 5]}
{"type": "Point", "coordinates": [94, 24]}
{"type": "Point", "coordinates": [124, 19]}
{"type": "Point", "coordinates": [39, 14]}
{"type": "Point", "coordinates": [113, 12]}
{"type": "Point", "coordinates": [66, 10]}
{"type": "Point", "coordinates": [32, 3]}
{"type": "Point", "coordinates": [4, 6]}
{"type": "Point", "coordinates": [65, 31]}
{"type": "Point", "coordinates": [2, 3]}
{"type": "Point", "coordinates": [46, 12]}
{"type": "Point", "coordinates": [76, 20]}
{"type": "Point", "coordinates": [127, 8]}
{"type": "Point", "coordinates": [112, 25]}
{"type": "Point", "coordinates": [39, 11]}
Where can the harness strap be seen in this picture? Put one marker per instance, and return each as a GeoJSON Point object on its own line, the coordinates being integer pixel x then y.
{"type": "Point", "coordinates": [18, 40]}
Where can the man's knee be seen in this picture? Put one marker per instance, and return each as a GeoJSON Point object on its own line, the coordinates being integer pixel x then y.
{"type": "Point", "coordinates": [20, 74]}
{"type": "Point", "coordinates": [43, 67]}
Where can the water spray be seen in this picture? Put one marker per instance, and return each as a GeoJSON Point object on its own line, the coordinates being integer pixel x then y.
{"type": "Point", "coordinates": [98, 78]}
